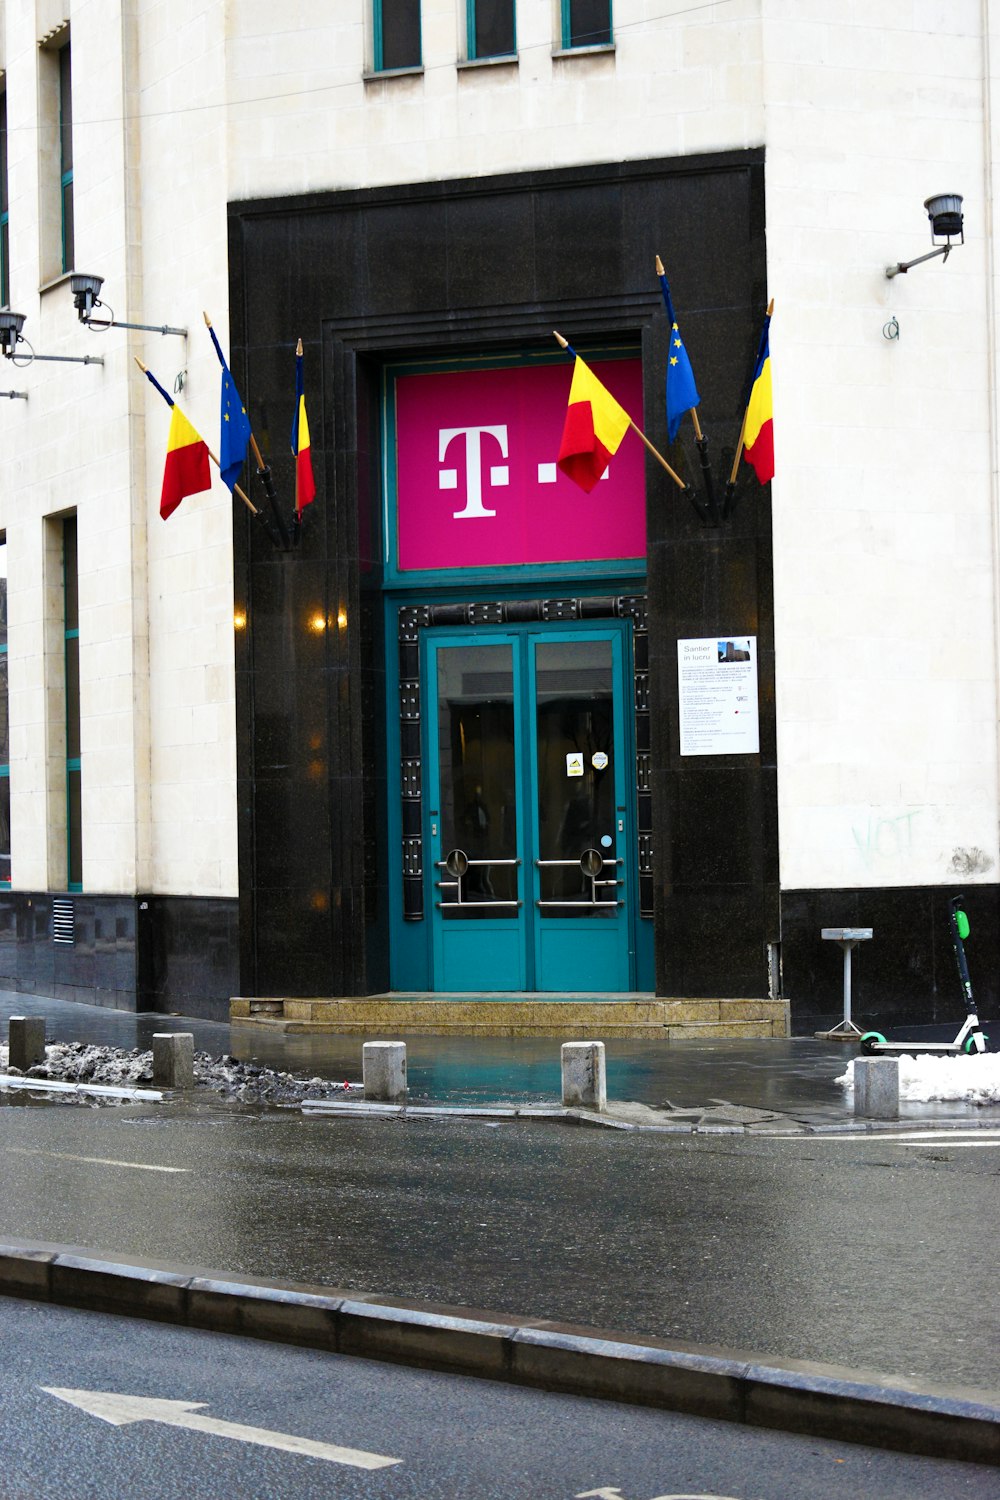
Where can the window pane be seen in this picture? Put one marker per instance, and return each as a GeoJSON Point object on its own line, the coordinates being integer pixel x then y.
{"type": "Point", "coordinates": [72, 697]}
{"type": "Point", "coordinates": [65, 112]}
{"type": "Point", "coordinates": [5, 829]}
{"type": "Point", "coordinates": [4, 718]}
{"type": "Point", "coordinates": [494, 28]}
{"type": "Point", "coordinates": [576, 779]}
{"type": "Point", "coordinates": [589, 23]}
{"type": "Point", "coordinates": [3, 594]}
{"type": "Point", "coordinates": [3, 153]}
{"type": "Point", "coordinates": [72, 614]}
{"type": "Point", "coordinates": [400, 34]}
{"type": "Point", "coordinates": [477, 780]}
{"type": "Point", "coordinates": [74, 784]}
{"type": "Point", "coordinates": [69, 249]}
{"type": "Point", "coordinates": [66, 157]}
{"type": "Point", "coordinates": [4, 235]}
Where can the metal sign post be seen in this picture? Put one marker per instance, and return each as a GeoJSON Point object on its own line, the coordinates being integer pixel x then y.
{"type": "Point", "coordinates": [848, 938]}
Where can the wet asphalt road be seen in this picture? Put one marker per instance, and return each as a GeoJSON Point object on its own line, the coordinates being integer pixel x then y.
{"type": "Point", "coordinates": [869, 1252]}
{"type": "Point", "coordinates": [455, 1438]}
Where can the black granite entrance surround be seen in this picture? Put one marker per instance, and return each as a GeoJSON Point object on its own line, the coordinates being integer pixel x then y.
{"type": "Point", "coordinates": [906, 974]}
{"type": "Point", "coordinates": [155, 953]}
{"type": "Point", "coordinates": [483, 265]}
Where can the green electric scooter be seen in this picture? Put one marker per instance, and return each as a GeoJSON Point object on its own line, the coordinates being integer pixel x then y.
{"type": "Point", "coordinates": [971, 1038]}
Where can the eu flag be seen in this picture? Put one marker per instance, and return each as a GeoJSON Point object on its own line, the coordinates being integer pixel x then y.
{"type": "Point", "coordinates": [234, 439]}
{"type": "Point", "coordinates": [682, 393]}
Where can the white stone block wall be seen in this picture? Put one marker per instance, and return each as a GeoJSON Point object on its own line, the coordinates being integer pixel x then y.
{"type": "Point", "coordinates": [884, 501]}
{"type": "Point", "coordinates": [156, 614]}
{"type": "Point", "coordinates": [885, 522]}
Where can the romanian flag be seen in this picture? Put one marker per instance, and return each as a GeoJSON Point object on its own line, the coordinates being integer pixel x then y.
{"type": "Point", "coordinates": [305, 485]}
{"type": "Point", "coordinates": [186, 470]}
{"type": "Point", "coordinates": [758, 427]}
{"type": "Point", "coordinates": [595, 425]}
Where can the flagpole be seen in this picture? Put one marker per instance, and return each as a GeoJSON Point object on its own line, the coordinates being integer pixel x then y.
{"type": "Point", "coordinates": [263, 471]}
{"type": "Point", "coordinates": [711, 516]}
{"type": "Point", "coordinates": [746, 410]}
{"type": "Point", "coordinates": [236, 489]}
{"type": "Point", "coordinates": [563, 344]}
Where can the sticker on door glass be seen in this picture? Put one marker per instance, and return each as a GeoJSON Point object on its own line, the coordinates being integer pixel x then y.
{"type": "Point", "coordinates": [599, 760]}
{"type": "Point", "coordinates": [574, 763]}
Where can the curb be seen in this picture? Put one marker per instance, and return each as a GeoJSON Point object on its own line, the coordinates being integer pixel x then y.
{"type": "Point", "coordinates": [818, 1400]}
{"type": "Point", "coordinates": [788, 1128]}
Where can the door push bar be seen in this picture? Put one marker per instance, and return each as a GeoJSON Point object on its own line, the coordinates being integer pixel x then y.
{"type": "Point", "coordinates": [458, 864]}
{"type": "Point", "coordinates": [591, 863]}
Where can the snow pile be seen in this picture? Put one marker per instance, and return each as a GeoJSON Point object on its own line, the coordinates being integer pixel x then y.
{"type": "Point", "coordinates": [973, 1079]}
{"type": "Point", "coordinates": [79, 1062]}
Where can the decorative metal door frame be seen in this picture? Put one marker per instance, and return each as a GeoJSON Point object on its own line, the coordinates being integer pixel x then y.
{"type": "Point", "coordinates": [413, 618]}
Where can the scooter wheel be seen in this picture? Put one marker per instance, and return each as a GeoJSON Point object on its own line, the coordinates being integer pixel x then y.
{"type": "Point", "coordinates": [869, 1042]}
{"type": "Point", "coordinates": [969, 1046]}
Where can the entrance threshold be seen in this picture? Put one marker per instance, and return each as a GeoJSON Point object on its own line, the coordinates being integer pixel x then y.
{"type": "Point", "coordinates": [581, 1016]}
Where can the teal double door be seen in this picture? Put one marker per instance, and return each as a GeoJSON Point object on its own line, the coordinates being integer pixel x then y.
{"type": "Point", "coordinates": [530, 797]}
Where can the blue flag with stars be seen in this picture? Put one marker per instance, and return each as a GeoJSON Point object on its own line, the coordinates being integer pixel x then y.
{"type": "Point", "coordinates": [682, 393]}
{"type": "Point", "coordinates": [234, 435]}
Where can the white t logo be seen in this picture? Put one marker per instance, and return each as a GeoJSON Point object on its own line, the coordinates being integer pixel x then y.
{"type": "Point", "coordinates": [448, 478]}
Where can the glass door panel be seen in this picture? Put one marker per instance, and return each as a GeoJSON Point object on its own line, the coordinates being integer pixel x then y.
{"type": "Point", "coordinates": [477, 782]}
{"type": "Point", "coordinates": [478, 936]}
{"type": "Point", "coordinates": [575, 716]}
{"type": "Point", "coordinates": [581, 811]}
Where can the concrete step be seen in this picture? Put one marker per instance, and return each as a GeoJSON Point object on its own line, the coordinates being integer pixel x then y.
{"type": "Point", "coordinates": [591, 1017]}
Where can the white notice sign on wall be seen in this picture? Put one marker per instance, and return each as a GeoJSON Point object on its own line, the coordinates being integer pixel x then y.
{"type": "Point", "coordinates": [717, 688]}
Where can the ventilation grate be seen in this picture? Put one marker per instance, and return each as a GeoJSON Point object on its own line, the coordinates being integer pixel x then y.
{"type": "Point", "coordinates": [63, 920]}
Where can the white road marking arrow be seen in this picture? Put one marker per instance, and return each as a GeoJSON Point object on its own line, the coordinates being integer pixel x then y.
{"type": "Point", "coordinates": [121, 1409]}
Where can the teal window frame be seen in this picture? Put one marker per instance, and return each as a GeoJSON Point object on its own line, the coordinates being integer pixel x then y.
{"type": "Point", "coordinates": [74, 763]}
{"type": "Point", "coordinates": [567, 30]}
{"type": "Point", "coordinates": [474, 55]}
{"type": "Point", "coordinates": [379, 39]}
{"type": "Point", "coordinates": [66, 158]}
{"type": "Point", "coordinates": [4, 207]}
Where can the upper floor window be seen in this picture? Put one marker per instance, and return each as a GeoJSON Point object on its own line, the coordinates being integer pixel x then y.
{"type": "Point", "coordinates": [55, 154]}
{"type": "Point", "coordinates": [4, 228]}
{"type": "Point", "coordinates": [490, 28]}
{"type": "Point", "coordinates": [66, 155]}
{"type": "Point", "coordinates": [586, 23]}
{"type": "Point", "coordinates": [4, 726]}
{"type": "Point", "coordinates": [397, 34]}
{"type": "Point", "coordinates": [74, 764]}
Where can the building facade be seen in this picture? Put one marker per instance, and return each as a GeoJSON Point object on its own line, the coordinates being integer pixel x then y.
{"type": "Point", "coordinates": [469, 728]}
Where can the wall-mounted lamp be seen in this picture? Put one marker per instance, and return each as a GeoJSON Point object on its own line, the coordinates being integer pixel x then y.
{"type": "Point", "coordinates": [945, 213]}
{"type": "Point", "coordinates": [11, 339]}
{"type": "Point", "coordinates": [86, 297]}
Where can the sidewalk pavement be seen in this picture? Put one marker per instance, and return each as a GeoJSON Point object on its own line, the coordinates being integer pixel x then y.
{"type": "Point", "coordinates": [764, 1085]}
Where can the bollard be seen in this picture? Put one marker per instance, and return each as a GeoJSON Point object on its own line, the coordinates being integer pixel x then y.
{"type": "Point", "coordinates": [26, 1039]}
{"type": "Point", "coordinates": [173, 1059]}
{"type": "Point", "coordinates": [583, 1077]}
{"type": "Point", "coordinates": [876, 1087]}
{"type": "Point", "coordinates": [383, 1071]}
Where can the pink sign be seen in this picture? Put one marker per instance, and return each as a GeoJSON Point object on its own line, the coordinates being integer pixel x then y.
{"type": "Point", "coordinates": [477, 484]}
